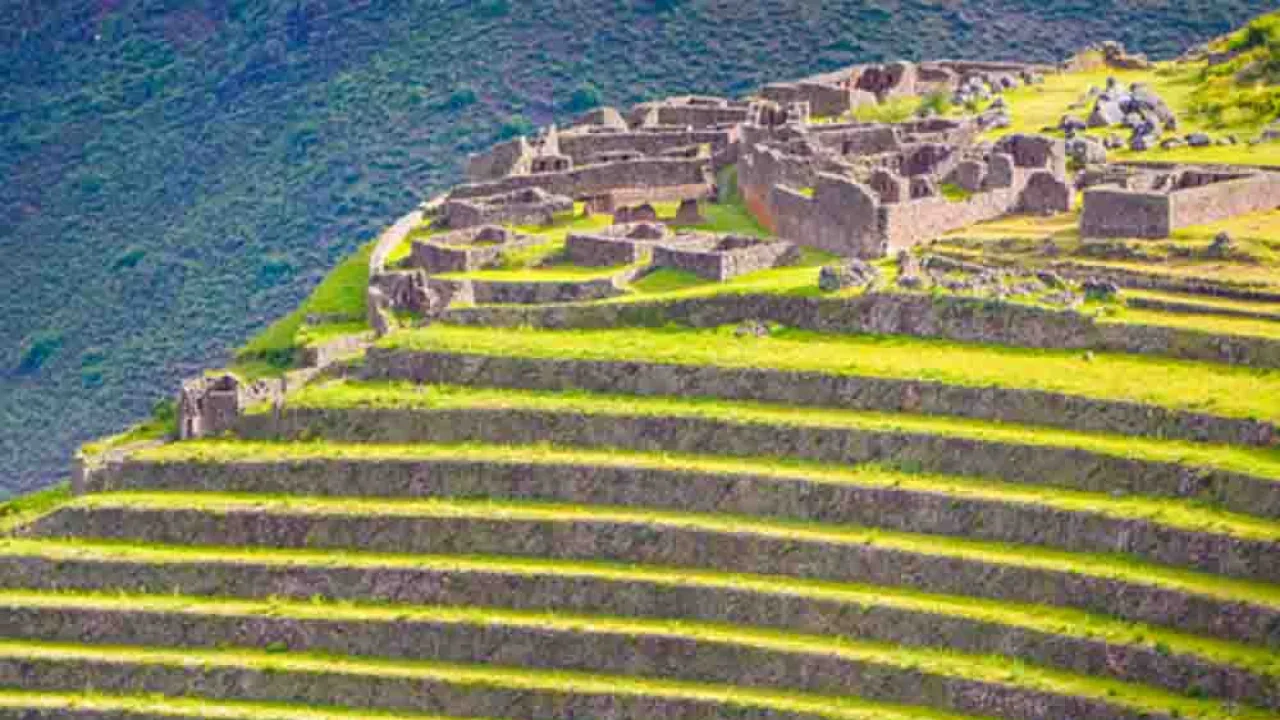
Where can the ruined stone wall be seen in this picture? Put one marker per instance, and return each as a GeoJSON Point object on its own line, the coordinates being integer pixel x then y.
{"type": "Point", "coordinates": [487, 292]}
{"type": "Point", "coordinates": [859, 139]}
{"type": "Point", "coordinates": [842, 217]}
{"type": "Point", "coordinates": [634, 175]}
{"type": "Point", "coordinates": [825, 100]}
{"type": "Point", "coordinates": [1013, 405]}
{"type": "Point", "coordinates": [582, 147]}
{"type": "Point", "coordinates": [512, 157]}
{"type": "Point", "coordinates": [701, 116]}
{"type": "Point", "coordinates": [595, 596]}
{"type": "Point", "coordinates": [791, 496]}
{"type": "Point", "coordinates": [953, 318]}
{"type": "Point", "coordinates": [707, 261]}
{"type": "Point", "coordinates": [1221, 200]}
{"type": "Point", "coordinates": [905, 224]}
{"type": "Point", "coordinates": [1111, 212]}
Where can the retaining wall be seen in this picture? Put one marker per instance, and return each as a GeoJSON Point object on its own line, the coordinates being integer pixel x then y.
{"type": "Point", "coordinates": [621, 598]}
{"type": "Point", "coordinates": [952, 318]}
{"type": "Point", "coordinates": [643, 543]}
{"type": "Point", "coordinates": [794, 498]}
{"type": "Point", "coordinates": [1013, 405]}
{"type": "Point", "coordinates": [646, 655]}
{"type": "Point", "coordinates": [1032, 464]}
{"type": "Point", "coordinates": [632, 175]}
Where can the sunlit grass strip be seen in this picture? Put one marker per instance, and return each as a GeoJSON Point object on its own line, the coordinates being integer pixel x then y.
{"type": "Point", "coordinates": [1042, 618]}
{"type": "Point", "coordinates": [1259, 462]}
{"type": "Point", "coordinates": [1183, 385]}
{"type": "Point", "coordinates": [1030, 557]}
{"type": "Point", "coordinates": [991, 669]}
{"type": "Point", "coordinates": [1172, 513]}
{"type": "Point", "coordinates": [153, 705]}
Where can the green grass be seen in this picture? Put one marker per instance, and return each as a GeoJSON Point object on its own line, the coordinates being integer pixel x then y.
{"type": "Point", "coordinates": [954, 193]}
{"type": "Point", "coordinates": [18, 511]}
{"type": "Point", "coordinates": [992, 669]}
{"type": "Point", "coordinates": [488, 676]}
{"type": "Point", "coordinates": [1048, 619]}
{"type": "Point", "coordinates": [1258, 462]}
{"type": "Point", "coordinates": [158, 705]}
{"type": "Point", "coordinates": [1212, 324]}
{"type": "Point", "coordinates": [1208, 302]}
{"type": "Point", "coordinates": [1172, 513]}
{"type": "Point", "coordinates": [1202, 387]}
{"type": "Point", "coordinates": [730, 216]}
{"type": "Point", "coordinates": [668, 280]}
{"type": "Point", "coordinates": [339, 298]}
{"type": "Point", "coordinates": [1025, 556]}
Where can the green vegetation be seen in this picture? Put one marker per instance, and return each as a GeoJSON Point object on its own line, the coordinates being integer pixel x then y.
{"type": "Point", "coordinates": [1243, 90]}
{"type": "Point", "coordinates": [21, 510]}
{"type": "Point", "coordinates": [1202, 387]}
{"type": "Point", "coordinates": [163, 207]}
{"type": "Point", "coordinates": [338, 302]}
{"type": "Point", "coordinates": [954, 193]}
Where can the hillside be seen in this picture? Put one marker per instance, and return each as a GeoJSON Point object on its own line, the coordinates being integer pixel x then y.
{"type": "Point", "coordinates": [178, 174]}
{"type": "Point", "coordinates": [895, 393]}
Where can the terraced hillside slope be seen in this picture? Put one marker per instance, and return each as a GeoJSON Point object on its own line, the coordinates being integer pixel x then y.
{"type": "Point", "coordinates": [192, 168]}
{"type": "Point", "coordinates": [484, 473]}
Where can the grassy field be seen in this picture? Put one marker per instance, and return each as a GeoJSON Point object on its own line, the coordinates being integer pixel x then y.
{"type": "Point", "coordinates": [1203, 387]}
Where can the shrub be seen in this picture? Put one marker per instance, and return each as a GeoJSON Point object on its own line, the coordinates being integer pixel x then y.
{"type": "Point", "coordinates": [514, 126]}
{"type": "Point", "coordinates": [937, 103]}
{"type": "Point", "coordinates": [463, 96]}
{"type": "Point", "coordinates": [584, 97]}
{"type": "Point", "coordinates": [37, 351]}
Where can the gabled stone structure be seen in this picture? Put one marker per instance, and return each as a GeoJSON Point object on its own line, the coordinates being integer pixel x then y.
{"type": "Point", "coordinates": [1153, 205]}
{"type": "Point", "coordinates": [526, 206]}
{"type": "Point", "coordinates": [465, 250]}
{"type": "Point", "coordinates": [212, 404]}
{"type": "Point", "coordinates": [894, 202]}
{"type": "Point", "coordinates": [721, 257]}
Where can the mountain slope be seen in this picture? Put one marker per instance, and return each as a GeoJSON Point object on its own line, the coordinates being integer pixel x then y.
{"type": "Point", "coordinates": [176, 173]}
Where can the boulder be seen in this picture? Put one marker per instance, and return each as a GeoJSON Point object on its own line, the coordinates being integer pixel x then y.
{"type": "Point", "coordinates": [752, 328]}
{"type": "Point", "coordinates": [1199, 139]}
{"type": "Point", "coordinates": [853, 273]}
{"type": "Point", "coordinates": [688, 213]}
{"type": "Point", "coordinates": [1171, 143]}
{"type": "Point", "coordinates": [1106, 114]}
{"type": "Point", "coordinates": [1086, 151]}
{"type": "Point", "coordinates": [1071, 123]}
{"type": "Point", "coordinates": [1140, 142]}
{"type": "Point", "coordinates": [1095, 289]}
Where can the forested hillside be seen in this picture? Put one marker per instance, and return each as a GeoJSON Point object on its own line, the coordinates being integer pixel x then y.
{"type": "Point", "coordinates": [176, 173]}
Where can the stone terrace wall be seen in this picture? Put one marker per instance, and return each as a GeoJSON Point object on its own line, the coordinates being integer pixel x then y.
{"type": "Point", "coordinates": [583, 146]}
{"type": "Point", "coordinates": [631, 599]}
{"type": "Point", "coordinates": [904, 224]}
{"type": "Point", "coordinates": [641, 174]}
{"type": "Point", "coordinates": [895, 395]}
{"type": "Point", "coordinates": [792, 497]}
{"type": "Point", "coordinates": [952, 318]}
{"type": "Point", "coordinates": [1221, 200]}
{"type": "Point", "coordinates": [512, 157]}
{"type": "Point", "coordinates": [1110, 212]}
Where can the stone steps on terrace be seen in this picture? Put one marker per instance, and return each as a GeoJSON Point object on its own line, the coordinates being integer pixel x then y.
{"type": "Point", "coordinates": [378, 685]}
{"type": "Point", "coordinates": [665, 651]}
{"type": "Point", "coordinates": [1239, 610]}
{"type": "Point", "coordinates": [525, 369]}
{"type": "Point", "coordinates": [27, 705]}
{"type": "Point", "coordinates": [40, 574]}
{"type": "Point", "coordinates": [1157, 530]}
{"type": "Point", "coordinates": [1242, 480]}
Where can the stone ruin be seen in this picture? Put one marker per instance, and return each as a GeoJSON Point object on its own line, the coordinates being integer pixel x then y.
{"type": "Point", "coordinates": [1145, 204]}
{"type": "Point", "coordinates": [625, 244]}
{"type": "Point", "coordinates": [212, 404]}
{"type": "Point", "coordinates": [836, 93]}
{"type": "Point", "coordinates": [867, 191]}
{"type": "Point", "coordinates": [528, 206]}
{"type": "Point", "coordinates": [466, 250]}
{"type": "Point", "coordinates": [721, 257]}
